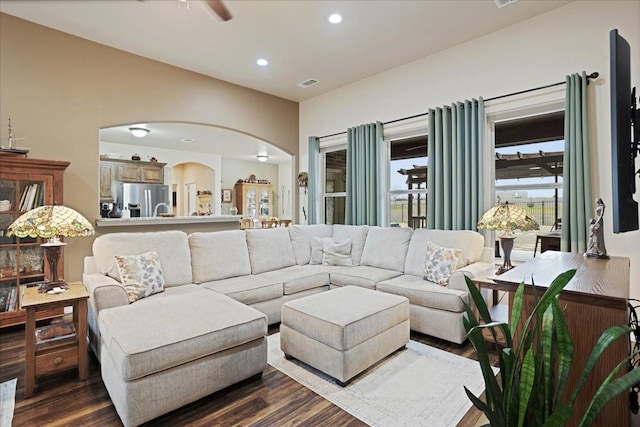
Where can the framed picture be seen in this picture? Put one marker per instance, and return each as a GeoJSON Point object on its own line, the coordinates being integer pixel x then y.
{"type": "Point", "coordinates": [226, 195]}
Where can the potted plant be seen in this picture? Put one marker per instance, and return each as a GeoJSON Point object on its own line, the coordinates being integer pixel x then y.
{"type": "Point", "coordinates": [534, 364]}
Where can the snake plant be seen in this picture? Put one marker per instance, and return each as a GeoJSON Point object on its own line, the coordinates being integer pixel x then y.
{"type": "Point", "coordinates": [534, 364]}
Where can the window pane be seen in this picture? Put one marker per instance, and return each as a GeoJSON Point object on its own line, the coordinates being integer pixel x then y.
{"type": "Point", "coordinates": [399, 207]}
{"type": "Point", "coordinates": [408, 182]}
{"type": "Point", "coordinates": [336, 171]}
{"type": "Point", "coordinates": [525, 176]}
{"type": "Point", "coordinates": [334, 209]}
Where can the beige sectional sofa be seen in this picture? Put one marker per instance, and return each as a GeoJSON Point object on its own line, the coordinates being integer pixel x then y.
{"type": "Point", "coordinates": [207, 329]}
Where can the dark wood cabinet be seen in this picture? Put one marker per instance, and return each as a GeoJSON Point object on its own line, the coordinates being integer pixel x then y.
{"type": "Point", "coordinates": [26, 184]}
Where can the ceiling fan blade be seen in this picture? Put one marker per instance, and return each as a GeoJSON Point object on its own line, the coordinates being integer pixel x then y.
{"type": "Point", "coordinates": [219, 8]}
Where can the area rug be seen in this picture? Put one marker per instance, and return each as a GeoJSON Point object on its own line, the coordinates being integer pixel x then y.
{"type": "Point", "coordinates": [7, 402]}
{"type": "Point", "coordinates": [418, 386]}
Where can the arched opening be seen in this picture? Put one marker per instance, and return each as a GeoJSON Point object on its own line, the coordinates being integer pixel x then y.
{"type": "Point", "coordinates": [229, 155]}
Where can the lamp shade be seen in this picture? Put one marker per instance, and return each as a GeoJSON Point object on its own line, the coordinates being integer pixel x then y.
{"type": "Point", "coordinates": [506, 217]}
{"type": "Point", "coordinates": [51, 221]}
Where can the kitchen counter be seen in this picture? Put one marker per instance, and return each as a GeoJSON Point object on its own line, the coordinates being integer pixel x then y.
{"type": "Point", "coordinates": [157, 220]}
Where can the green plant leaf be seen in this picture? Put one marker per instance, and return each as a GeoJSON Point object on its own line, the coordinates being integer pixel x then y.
{"type": "Point", "coordinates": [493, 418]}
{"type": "Point", "coordinates": [547, 360]}
{"type": "Point", "coordinates": [527, 376]}
{"type": "Point", "coordinates": [559, 417]}
{"type": "Point", "coordinates": [516, 308]}
{"type": "Point", "coordinates": [565, 350]}
{"type": "Point", "coordinates": [609, 390]}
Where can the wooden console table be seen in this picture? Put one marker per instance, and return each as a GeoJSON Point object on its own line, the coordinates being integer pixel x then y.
{"type": "Point", "coordinates": [595, 299]}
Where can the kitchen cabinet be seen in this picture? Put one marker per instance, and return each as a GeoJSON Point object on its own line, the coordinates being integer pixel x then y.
{"type": "Point", "coordinates": [132, 171]}
{"type": "Point", "coordinates": [26, 184]}
{"type": "Point", "coordinates": [254, 200]}
{"type": "Point", "coordinates": [107, 177]}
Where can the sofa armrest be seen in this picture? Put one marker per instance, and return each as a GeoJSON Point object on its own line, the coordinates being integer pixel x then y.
{"type": "Point", "coordinates": [104, 291]}
{"type": "Point", "coordinates": [456, 281]}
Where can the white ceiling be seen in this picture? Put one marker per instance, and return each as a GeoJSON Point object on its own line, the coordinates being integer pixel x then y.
{"type": "Point", "coordinates": [295, 36]}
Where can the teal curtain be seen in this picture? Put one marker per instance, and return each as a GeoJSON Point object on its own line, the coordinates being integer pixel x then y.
{"type": "Point", "coordinates": [313, 183]}
{"type": "Point", "coordinates": [364, 198]}
{"type": "Point", "coordinates": [456, 166]}
{"type": "Point", "coordinates": [576, 176]}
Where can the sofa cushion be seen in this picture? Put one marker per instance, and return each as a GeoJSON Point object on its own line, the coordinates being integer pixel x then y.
{"type": "Point", "coordinates": [387, 247]}
{"type": "Point", "coordinates": [172, 247]}
{"type": "Point", "coordinates": [300, 236]}
{"type": "Point", "coordinates": [470, 242]}
{"type": "Point", "coordinates": [219, 255]}
{"type": "Point", "coordinates": [358, 236]}
{"type": "Point", "coordinates": [440, 263]}
{"type": "Point", "coordinates": [141, 275]}
{"type": "Point", "coordinates": [317, 247]}
{"type": "Point", "coordinates": [362, 275]}
{"type": "Point", "coordinates": [426, 294]}
{"type": "Point", "coordinates": [247, 289]}
{"type": "Point", "coordinates": [336, 252]}
{"type": "Point", "coordinates": [269, 249]}
{"type": "Point", "coordinates": [300, 278]}
{"type": "Point", "coordinates": [145, 338]}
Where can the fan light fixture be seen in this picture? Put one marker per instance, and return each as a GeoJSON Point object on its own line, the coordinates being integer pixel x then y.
{"type": "Point", "coordinates": [262, 157]}
{"type": "Point", "coordinates": [335, 18]}
{"type": "Point", "coordinates": [139, 132]}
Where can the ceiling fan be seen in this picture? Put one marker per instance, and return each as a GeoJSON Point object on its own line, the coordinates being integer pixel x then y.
{"type": "Point", "coordinates": [219, 8]}
{"type": "Point", "coordinates": [215, 5]}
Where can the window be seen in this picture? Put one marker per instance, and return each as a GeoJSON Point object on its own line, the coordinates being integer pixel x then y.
{"type": "Point", "coordinates": [335, 181]}
{"type": "Point", "coordinates": [408, 182]}
{"type": "Point", "coordinates": [528, 170]}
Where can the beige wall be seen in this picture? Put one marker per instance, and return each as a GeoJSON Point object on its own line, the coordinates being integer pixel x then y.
{"type": "Point", "coordinates": [59, 90]}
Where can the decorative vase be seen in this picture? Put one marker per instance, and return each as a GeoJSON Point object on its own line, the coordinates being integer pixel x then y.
{"type": "Point", "coordinates": [115, 211]}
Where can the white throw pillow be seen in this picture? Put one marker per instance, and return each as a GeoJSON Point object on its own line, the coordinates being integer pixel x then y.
{"type": "Point", "coordinates": [141, 275]}
{"type": "Point", "coordinates": [336, 252]}
{"type": "Point", "coordinates": [440, 263]}
{"type": "Point", "coordinates": [317, 244]}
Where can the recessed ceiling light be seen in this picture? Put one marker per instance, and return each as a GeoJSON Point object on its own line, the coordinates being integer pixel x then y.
{"type": "Point", "coordinates": [139, 132]}
{"type": "Point", "coordinates": [262, 62]}
{"type": "Point", "coordinates": [187, 140]}
{"type": "Point", "coordinates": [335, 18]}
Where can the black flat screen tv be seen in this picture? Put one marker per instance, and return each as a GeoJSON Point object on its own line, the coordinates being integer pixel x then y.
{"type": "Point", "coordinates": [625, 131]}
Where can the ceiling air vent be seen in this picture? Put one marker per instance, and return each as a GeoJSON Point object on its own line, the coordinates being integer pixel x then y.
{"type": "Point", "coordinates": [503, 3]}
{"type": "Point", "coordinates": [308, 83]}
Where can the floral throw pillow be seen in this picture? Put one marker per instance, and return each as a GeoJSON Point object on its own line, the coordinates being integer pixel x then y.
{"type": "Point", "coordinates": [141, 275]}
{"type": "Point", "coordinates": [440, 263]}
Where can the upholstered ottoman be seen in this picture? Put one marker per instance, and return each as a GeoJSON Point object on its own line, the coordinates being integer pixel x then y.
{"type": "Point", "coordinates": [173, 348]}
{"type": "Point", "coordinates": [344, 331]}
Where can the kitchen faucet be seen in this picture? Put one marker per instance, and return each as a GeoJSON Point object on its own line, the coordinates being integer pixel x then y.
{"type": "Point", "coordinates": [155, 210]}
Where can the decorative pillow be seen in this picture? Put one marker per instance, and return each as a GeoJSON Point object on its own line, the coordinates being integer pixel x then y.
{"type": "Point", "coordinates": [141, 275]}
{"type": "Point", "coordinates": [317, 249]}
{"type": "Point", "coordinates": [336, 252]}
{"type": "Point", "coordinates": [440, 263]}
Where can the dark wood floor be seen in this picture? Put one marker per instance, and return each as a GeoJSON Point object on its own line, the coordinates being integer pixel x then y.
{"type": "Point", "coordinates": [275, 399]}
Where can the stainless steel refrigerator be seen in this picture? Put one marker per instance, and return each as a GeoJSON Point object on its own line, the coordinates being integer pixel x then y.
{"type": "Point", "coordinates": [147, 199]}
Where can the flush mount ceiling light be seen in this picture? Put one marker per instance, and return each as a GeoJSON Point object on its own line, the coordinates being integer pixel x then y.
{"type": "Point", "coordinates": [139, 132]}
{"type": "Point", "coordinates": [335, 18]}
{"type": "Point", "coordinates": [262, 157]}
{"type": "Point", "coordinates": [262, 62]}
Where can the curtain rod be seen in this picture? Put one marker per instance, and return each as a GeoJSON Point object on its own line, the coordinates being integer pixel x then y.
{"type": "Point", "coordinates": [593, 75]}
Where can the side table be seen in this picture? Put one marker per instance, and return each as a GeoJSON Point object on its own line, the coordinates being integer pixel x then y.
{"type": "Point", "coordinates": [61, 355]}
{"type": "Point", "coordinates": [499, 312]}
